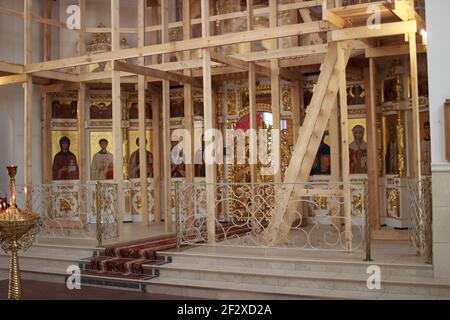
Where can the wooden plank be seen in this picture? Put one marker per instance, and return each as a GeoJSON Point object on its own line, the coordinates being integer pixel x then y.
{"type": "Point", "coordinates": [334, 136]}
{"type": "Point", "coordinates": [33, 17]}
{"type": "Point", "coordinates": [28, 104]}
{"type": "Point", "coordinates": [117, 115]}
{"type": "Point", "coordinates": [46, 139]}
{"type": "Point", "coordinates": [11, 67]}
{"type": "Point", "coordinates": [192, 44]}
{"type": "Point", "coordinates": [60, 87]}
{"type": "Point", "coordinates": [372, 163]}
{"type": "Point", "coordinates": [142, 119]}
{"type": "Point", "coordinates": [55, 75]}
{"type": "Point", "coordinates": [331, 17]}
{"type": "Point", "coordinates": [394, 50]}
{"type": "Point", "coordinates": [386, 29]}
{"type": "Point", "coordinates": [156, 132]}
{"type": "Point", "coordinates": [47, 30]}
{"type": "Point", "coordinates": [275, 89]}
{"type": "Point", "coordinates": [164, 75]}
{"type": "Point", "coordinates": [188, 110]}
{"type": "Point", "coordinates": [415, 105]}
{"type": "Point", "coordinates": [295, 107]}
{"type": "Point", "coordinates": [16, 78]}
{"type": "Point", "coordinates": [323, 99]}
{"type": "Point", "coordinates": [341, 66]}
{"type": "Point", "coordinates": [167, 193]}
{"type": "Point", "coordinates": [208, 126]}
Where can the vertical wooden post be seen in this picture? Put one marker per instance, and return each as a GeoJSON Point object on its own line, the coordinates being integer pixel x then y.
{"type": "Point", "coordinates": [372, 164]}
{"type": "Point", "coordinates": [46, 139]}
{"type": "Point", "coordinates": [296, 106]}
{"type": "Point", "coordinates": [81, 112]}
{"type": "Point", "coordinates": [167, 193]}
{"type": "Point", "coordinates": [47, 47]}
{"type": "Point", "coordinates": [252, 100]}
{"type": "Point", "coordinates": [188, 125]}
{"type": "Point", "coordinates": [117, 113]}
{"type": "Point", "coordinates": [275, 87]}
{"type": "Point", "coordinates": [28, 104]}
{"type": "Point", "coordinates": [341, 66]}
{"type": "Point", "coordinates": [335, 163]}
{"type": "Point", "coordinates": [415, 105]}
{"type": "Point", "coordinates": [156, 132]}
{"type": "Point", "coordinates": [188, 104]}
{"type": "Point", "coordinates": [141, 118]}
{"type": "Point", "coordinates": [209, 126]}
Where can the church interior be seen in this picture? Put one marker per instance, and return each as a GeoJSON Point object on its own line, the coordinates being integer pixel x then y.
{"type": "Point", "coordinates": [243, 149]}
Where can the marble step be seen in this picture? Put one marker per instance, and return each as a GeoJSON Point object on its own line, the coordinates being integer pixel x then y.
{"type": "Point", "coordinates": [61, 249]}
{"type": "Point", "coordinates": [296, 264]}
{"type": "Point", "coordinates": [58, 262]}
{"type": "Point", "coordinates": [306, 279]}
{"type": "Point", "coordinates": [38, 273]}
{"type": "Point", "coordinates": [243, 291]}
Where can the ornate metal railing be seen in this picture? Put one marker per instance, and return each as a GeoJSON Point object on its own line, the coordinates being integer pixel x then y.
{"type": "Point", "coordinates": [73, 210]}
{"type": "Point", "coordinates": [420, 231]}
{"type": "Point", "coordinates": [244, 211]}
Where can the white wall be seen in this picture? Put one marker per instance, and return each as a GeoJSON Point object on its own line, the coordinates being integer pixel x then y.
{"type": "Point", "coordinates": [438, 26]}
{"type": "Point", "coordinates": [11, 98]}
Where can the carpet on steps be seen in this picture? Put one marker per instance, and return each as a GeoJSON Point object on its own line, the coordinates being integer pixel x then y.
{"type": "Point", "coordinates": [128, 258]}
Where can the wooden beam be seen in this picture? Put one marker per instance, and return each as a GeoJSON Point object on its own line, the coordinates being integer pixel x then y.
{"type": "Point", "coordinates": [341, 66]}
{"type": "Point", "coordinates": [192, 44]}
{"type": "Point", "coordinates": [142, 119]}
{"type": "Point", "coordinates": [47, 30]}
{"type": "Point", "coordinates": [61, 87]}
{"type": "Point", "coordinates": [208, 126]}
{"type": "Point", "coordinates": [331, 17]}
{"type": "Point", "coordinates": [372, 163]}
{"type": "Point", "coordinates": [47, 139]}
{"type": "Point", "coordinates": [167, 162]}
{"type": "Point", "coordinates": [11, 67]}
{"type": "Point", "coordinates": [28, 104]}
{"type": "Point", "coordinates": [156, 132]}
{"type": "Point", "coordinates": [16, 78]}
{"type": "Point", "coordinates": [275, 89]}
{"type": "Point", "coordinates": [117, 115]}
{"type": "Point", "coordinates": [163, 75]}
{"type": "Point", "coordinates": [415, 105]}
{"type": "Point", "coordinates": [188, 113]}
{"type": "Point", "coordinates": [394, 50]}
{"type": "Point", "coordinates": [386, 29]}
{"type": "Point", "coordinates": [252, 102]}
{"type": "Point", "coordinates": [55, 75]}
{"type": "Point", "coordinates": [34, 18]}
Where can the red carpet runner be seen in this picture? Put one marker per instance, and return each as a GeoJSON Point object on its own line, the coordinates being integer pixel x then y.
{"type": "Point", "coordinates": [127, 259]}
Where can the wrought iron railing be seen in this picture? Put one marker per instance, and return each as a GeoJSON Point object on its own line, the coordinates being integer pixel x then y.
{"type": "Point", "coordinates": [420, 231]}
{"type": "Point", "coordinates": [73, 210]}
{"type": "Point", "coordinates": [244, 211]}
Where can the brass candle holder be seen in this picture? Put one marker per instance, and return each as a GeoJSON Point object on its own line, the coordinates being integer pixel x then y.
{"type": "Point", "coordinates": [18, 230]}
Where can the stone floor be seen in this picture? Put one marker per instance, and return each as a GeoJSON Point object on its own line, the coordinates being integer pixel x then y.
{"type": "Point", "coordinates": [36, 290]}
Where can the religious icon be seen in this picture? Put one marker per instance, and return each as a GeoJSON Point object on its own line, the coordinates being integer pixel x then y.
{"type": "Point", "coordinates": [392, 151]}
{"type": "Point", "coordinates": [65, 165]}
{"type": "Point", "coordinates": [133, 113]}
{"type": "Point", "coordinates": [322, 163]}
{"type": "Point", "coordinates": [425, 150]}
{"type": "Point", "coordinates": [64, 109]}
{"type": "Point", "coordinates": [102, 163]}
{"type": "Point", "coordinates": [358, 151]}
{"type": "Point", "coordinates": [176, 108]}
{"type": "Point", "coordinates": [101, 110]}
{"type": "Point", "coordinates": [134, 163]}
